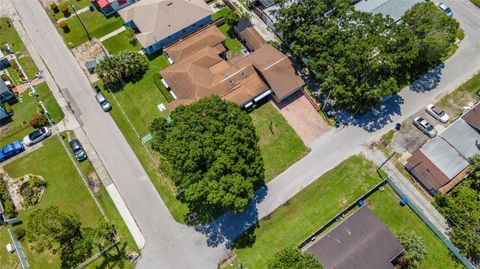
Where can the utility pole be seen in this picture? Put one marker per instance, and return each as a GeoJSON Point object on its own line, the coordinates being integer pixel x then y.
{"type": "Point", "coordinates": [81, 22]}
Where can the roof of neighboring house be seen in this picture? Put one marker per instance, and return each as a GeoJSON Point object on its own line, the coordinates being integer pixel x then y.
{"type": "Point", "coordinates": [461, 136]}
{"type": "Point", "coordinates": [205, 73]}
{"type": "Point", "coordinates": [473, 116]}
{"type": "Point", "coordinates": [361, 241]}
{"type": "Point", "coordinates": [210, 36]}
{"type": "Point", "coordinates": [158, 19]}
{"type": "Point", "coordinates": [252, 38]}
{"type": "Point", "coordinates": [3, 87]}
{"type": "Point", "coordinates": [393, 8]}
{"type": "Point", "coordinates": [103, 3]}
{"type": "Point", "coordinates": [3, 113]}
{"type": "Point", "coordinates": [426, 172]}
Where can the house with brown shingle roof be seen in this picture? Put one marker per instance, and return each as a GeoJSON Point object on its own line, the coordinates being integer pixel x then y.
{"type": "Point", "coordinates": [161, 22]}
{"type": "Point", "coordinates": [200, 69]}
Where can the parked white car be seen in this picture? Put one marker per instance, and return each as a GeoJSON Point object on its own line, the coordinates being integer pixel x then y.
{"type": "Point", "coordinates": [445, 9]}
{"type": "Point", "coordinates": [441, 116]}
{"type": "Point", "coordinates": [425, 126]}
{"type": "Point", "coordinates": [36, 136]}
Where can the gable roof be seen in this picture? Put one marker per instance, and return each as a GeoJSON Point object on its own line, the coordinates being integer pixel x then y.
{"type": "Point", "coordinates": [361, 241]}
{"type": "Point", "coordinates": [462, 137]}
{"type": "Point", "coordinates": [426, 171]}
{"type": "Point", "coordinates": [473, 116]}
{"type": "Point", "coordinates": [158, 19]}
{"type": "Point", "coordinates": [252, 38]}
{"type": "Point", "coordinates": [210, 36]}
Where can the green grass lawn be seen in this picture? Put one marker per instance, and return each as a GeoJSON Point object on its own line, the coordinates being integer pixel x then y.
{"type": "Point", "coordinates": [232, 44]}
{"type": "Point", "coordinates": [466, 93]}
{"type": "Point", "coordinates": [120, 42]}
{"type": "Point", "coordinates": [79, 4]}
{"type": "Point", "coordinates": [282, 147]}
{"type": "Point", "coordinates": [67, 191]}
{"type": "Point", "coordinates": [96, 23]}
{"type": "Point", "coordinates": [386, 206]}
{"type": "Point", "coordinates": [307, 211]}
{"type": "Point", "coordinates": [24, 110]}
{"type": "Point", "coordinates": [476, 2]}
{"type": "Point", "coordinates": [139, 100]}
{"type": "Point", "coordinates": [220, 14]}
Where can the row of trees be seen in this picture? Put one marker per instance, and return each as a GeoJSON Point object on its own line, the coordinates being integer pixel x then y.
{"type": "Point", "coordinates": [359, 57]}
{"type": "Point", "coordinates": [462, 207]}
{"type": "Point", "coordinates": [52, 230]}
{"type": "Point", "coordinates": [125, 65]}
{"type": "Point", "coordinates": [212, 148]}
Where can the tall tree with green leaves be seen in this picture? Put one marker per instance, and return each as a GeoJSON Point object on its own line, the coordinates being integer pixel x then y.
{"type": "Point", "coordinates": [293, 258]}
{"type": "Point", "coordinates": [415, 249]}
{"type": "Point", "coordinates": [212, 147]}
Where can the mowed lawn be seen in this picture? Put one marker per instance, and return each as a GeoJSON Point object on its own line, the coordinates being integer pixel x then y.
{"type": "Point", "coordinates": [307, 211]}
{"type": "Point", "coordinates": [386, 206]}
{"type": "Point", "coordinates": [65, 189]}
{"type": "Point", "coordinates": [96, 23]}
{"type": "Point", "coordinates": [279, 144]}
{"type": "Point", "coordinates": [23, 111]}
{"type": "Point", "coordinates": [233, 45]}
{"type": "Point", "coordinates": [121, 42]}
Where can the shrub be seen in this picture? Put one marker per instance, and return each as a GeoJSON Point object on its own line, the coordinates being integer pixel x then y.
{"type": "Point", "coordinates": [65, 11]}
{"type": "Point", "coordinates": [8, 108]}
{"type": "Point", "coordinates": [64, 26]}
{"type": "Point", "coordinates": [54, 7]}
{"type": "Point", "coordinates": [19, 232]}
{"type": "Point", "coordinates": [10, 211]}
{"type": "Point", "coordinates": [38, 120]}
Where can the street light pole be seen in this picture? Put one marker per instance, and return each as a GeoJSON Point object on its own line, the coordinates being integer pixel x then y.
{"type": "Point", "coordinates": [81, 22]}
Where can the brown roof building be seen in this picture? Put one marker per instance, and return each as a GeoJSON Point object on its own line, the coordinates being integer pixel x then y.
{"type": "Point", "coordinates": [200, 69]}
{"type": "Point", "coordinates": [361, 241]}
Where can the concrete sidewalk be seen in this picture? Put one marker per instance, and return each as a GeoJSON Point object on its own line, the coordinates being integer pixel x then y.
{"type": "Point", "coordinates": [116, 32]}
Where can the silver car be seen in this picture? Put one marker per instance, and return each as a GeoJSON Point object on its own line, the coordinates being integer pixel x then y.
{"type": "Point", "coordinates": [425, 126]}
{"type": "Point", "coordinates": [36, 136]}
{"type": "Point", "coordinates": [103, 102]}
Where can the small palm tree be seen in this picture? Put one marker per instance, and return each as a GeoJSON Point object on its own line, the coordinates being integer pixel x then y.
{"type": "Point", "coordinates": [415, 249]}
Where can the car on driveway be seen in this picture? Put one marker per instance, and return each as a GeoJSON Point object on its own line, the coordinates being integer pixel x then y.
{"type": "Point", "coordinates": [103, 102]}
{"type": "Point", "coordinates": [11, 150]}
{"type": "Point", "coordinates": [441, 116]}
{"type": "Point", "coordinates": [425, 126]}
{"type": "Point", "coordinates": [36, 136]}
{"type": "Point", "coordinates": [78, 150]}
{"type": "Point", "coordinates": [445, 9]}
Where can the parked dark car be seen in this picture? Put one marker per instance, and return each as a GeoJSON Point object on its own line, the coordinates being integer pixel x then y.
{"type": "Point", "coordinates": [11, 150]}
{"type": "Point", "coordinates": [78, 150]}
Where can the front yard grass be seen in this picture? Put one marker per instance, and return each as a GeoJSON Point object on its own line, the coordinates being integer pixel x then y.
{"type": "Point", "coordinates": [67, 191]}
{"type": "Point", "coordinates": [279, 144]}
{"type": "Point", "coordinates": [307, 211]}
{"type": "Point", "coordinates": [386, 206]}
{"type": "Point", "coordinates": [121, 42]}
{"type": "Point", "coordinates": [24, 110]}
{"type": "Point", "coordinates": [96, 23]}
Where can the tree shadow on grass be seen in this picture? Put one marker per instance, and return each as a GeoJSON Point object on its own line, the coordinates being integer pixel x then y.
{"type": "Point", "coordinates": [226, 228]}
{"type": "Point", "coordinates": [377, 117]}
{"type": "Point", "coordinates": [114, 258]}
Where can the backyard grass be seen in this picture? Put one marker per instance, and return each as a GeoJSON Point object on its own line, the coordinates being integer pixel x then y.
{"type": "Point", "coordinates": [307, 211]}
{"type": "Point", "coordinates": [234, 47]}
{"type": "Point", "coordinates": [220, 13]}
{"type": "Point", "coordinates": [121, 42]}
{"type": "Point", "coordinates": [67, 191]}
{"type": "Point", "coordinates": [24, 110]}
{"type": "Point", "coordinates": [386, 206]}
{"type": "Point", "coordinates": [139, 101]}
{"type": "Point", "coordinates": [279, 144]}
{"type": "Point", "coordinates": [96, 23]}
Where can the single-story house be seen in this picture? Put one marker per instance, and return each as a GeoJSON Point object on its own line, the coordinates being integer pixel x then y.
{"type": "Point", "coordinates": [159, 23]}
{"type": "Point", "coordinates": [108, 7]}
{"type": "Point", "coordinates": [443, 161]}
{"type": "Point", "coordinates": [392, 8]}
{"type": "Point", "coordinates": [361, 241]}
{"type": "Point", "coordinates": [6, 94]}
{"type": "Point", "coordinates": [200, 70]}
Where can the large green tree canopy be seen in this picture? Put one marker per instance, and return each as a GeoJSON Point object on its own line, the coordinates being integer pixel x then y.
{"type": "Point", "coordinates": [292, 258]}
{"type": "Point", "coordinates": [125, 65]}
{"type": "Point", "coordinates": [212, 147]}
{"type": "Point", "coordinates": [357, 57]}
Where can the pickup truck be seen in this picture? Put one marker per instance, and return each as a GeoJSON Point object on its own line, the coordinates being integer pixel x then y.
{"type": "Point", "coordinates": [11, 150]}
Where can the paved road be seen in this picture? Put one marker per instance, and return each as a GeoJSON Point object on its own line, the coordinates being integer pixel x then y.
{"type": "Point", "coordinates": [168, 244]}
{"type": "Point", "coordinates": [337, 145]}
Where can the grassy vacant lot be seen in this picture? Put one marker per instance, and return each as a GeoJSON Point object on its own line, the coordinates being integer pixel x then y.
{"type": "Point", "coordinates": [302, 215]}
{"type": "Point", "coordinates": [386, 206]}
{"type": "Point", "coordinates": [121, 42]}
{"type": "Point", "coordinates": [139, 100]}
{"type": "Point", "coordinates": [67, 191]}
{"type": "Point", "coordinates": [281, 147]}
{"type": "Point", "coordinates": [96, 23]}
{"type": "Point", "coordinates": [24, 110]}
{"type": "Point", "coordinates": [464, 94]}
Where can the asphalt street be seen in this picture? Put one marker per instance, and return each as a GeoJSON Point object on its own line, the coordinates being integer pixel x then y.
{"type": "Point", "coordinates": [168, 243]}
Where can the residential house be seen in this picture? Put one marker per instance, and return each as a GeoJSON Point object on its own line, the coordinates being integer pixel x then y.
{"type": "Point", "coordinates": [362, 240]}
{"type": "Point", "coordinates": [159, 23]}
{"type": "Point", "coordinates": [443, 161]}
{"type": "Point", "coordinates": [4, 63]}
{"type": "Point", "coordinates": [6, 94]}
{"type": "Point", "coordinates": [200, 69]}
{"type": "Point", "coordinates": [392, 8]}
{"type": "Point", "coordinates": [109, 7]}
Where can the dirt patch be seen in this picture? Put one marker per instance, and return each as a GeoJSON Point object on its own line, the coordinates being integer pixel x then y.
{"type": "Point", "coordinates": [94, 182]}
{"type": "Point", "coordinates": [86, 52]}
